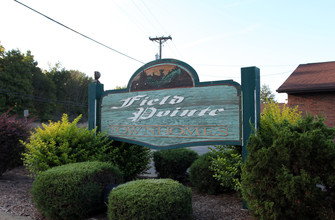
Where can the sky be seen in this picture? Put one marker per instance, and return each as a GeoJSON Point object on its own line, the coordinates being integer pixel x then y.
{"type": "Point", "coordinates": [216, 37]}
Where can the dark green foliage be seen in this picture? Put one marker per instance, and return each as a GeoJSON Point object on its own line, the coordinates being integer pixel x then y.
{"type": "Point", "coordinates": [12, 130]}
{"type": "Point", "coordinates": [73, 191]}
{"type": "Point", "coordinates": [226, 165]}
{"type": "Point", "coordinates": [150, 199]}
{"type": "Point", "coordinates": [47, 94]}
{"type": "Point", "coordinates": [173, 163]}
{"type": "Point", "coordinates": [131, 159]}
{"type": "Point", "coordinates": [16, 88]}
{"type": "Point", "coordinates": [201, 176]}
{"type": "Point", "coordinates": [71, 91]}
{"type": "Point", "coordinates": [284, 170]}
{"type": "Point", "coordinates": [44, 96]}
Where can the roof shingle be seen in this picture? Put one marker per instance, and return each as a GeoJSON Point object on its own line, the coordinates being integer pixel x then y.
{"type": "Point", "coordinates": [310, 77]}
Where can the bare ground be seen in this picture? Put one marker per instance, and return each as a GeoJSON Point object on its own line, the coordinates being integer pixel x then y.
{"type": "Point", "coordinates": [16, 200]}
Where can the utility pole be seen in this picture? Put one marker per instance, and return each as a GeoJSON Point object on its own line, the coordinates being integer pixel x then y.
{"type": "Point", "coordinates": [160, 40]}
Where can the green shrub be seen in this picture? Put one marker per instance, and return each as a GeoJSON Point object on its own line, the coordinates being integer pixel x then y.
{"type": "Point", "coordinates": [131, 159]}
{"type": "Point", "coordinates": [73, 191]}
{"type": "Point", "coordinates": [12, 130]}
{"type": "Point", "coordinates": [201, 176]}
{"type": "Point", "coordinates": [150, 199]}
{"type": "Point", "coordinates": [63, 142]}
{"type": "Point", "coordinates": [173, 163]}
{"type": "Point", "coordinates": [289, 172]}
{"type": "Point", "coordinates": [226, 165]}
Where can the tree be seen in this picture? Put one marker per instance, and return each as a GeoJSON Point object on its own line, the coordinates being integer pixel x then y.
{"type": "Point", "coordinates": [267, 95]}
{"type": "Point", "coordinates": [121, 87]}
{"type": "Point", "coordinates": [289, 172]}
{"type": "Point", "coordinates": [72, 91]}
{"type": "Point", "coordinates": [47, 94]}
{"type": "Point", "coordinates": [44, 95]}
{"type": "Point", "coordinates": [16, 70]}
{"type": "Point", "coordinates": [2, 50]}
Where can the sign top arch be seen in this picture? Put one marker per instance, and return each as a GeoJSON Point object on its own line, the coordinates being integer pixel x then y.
{"type": "Point", "coordinates": [163, 74]}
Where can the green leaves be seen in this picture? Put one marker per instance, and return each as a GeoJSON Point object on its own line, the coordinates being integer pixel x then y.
{"type": "Point", "coordinates": [226, 165]}
{"type": "Point", "coordinates": [150, 199]}
{"type": "Point", "coordinates": [173, 163]}
{"type": "Point", "coordinates": [61, 143]}
{"type": "Point", "coordinates": [73, 191]}
{"type": "Point", "coordinates": [201, 175]}
{"type": "Point", "coordinates": [288, 158]}
{"type": "Point", "coordinates": [47, 94]}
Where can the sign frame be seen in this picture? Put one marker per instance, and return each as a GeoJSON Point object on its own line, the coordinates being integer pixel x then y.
{"type": "Point", "coordinates": [248, 90]}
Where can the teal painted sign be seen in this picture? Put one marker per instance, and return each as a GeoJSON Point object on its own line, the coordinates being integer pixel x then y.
{"type": "Point", "coordinates": [165, 106]}
{"type": "Point", "coordinates": [173, 117]}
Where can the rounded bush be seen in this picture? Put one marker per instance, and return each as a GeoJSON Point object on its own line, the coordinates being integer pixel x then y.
{"type": "Point", "coordinates": [290, 171]}
{"type": "Point", "coordinates": [73, 191]}
{"type": "Point", "coordinates": [173, 163]}
{"type": "Point", "coordinates": [12, 130]}
{"type": "Point", "coordinates": [201, 176]}
{"type": "Point", "coordinates": [150, 199]}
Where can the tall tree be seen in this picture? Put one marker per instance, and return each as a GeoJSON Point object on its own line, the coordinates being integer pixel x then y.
{"type": "Point", "coordinates": [267, 95]}
{"type": "Point", "coordinates": [72, 91]}
{"type": "Point", "coordinates": [44, 95]}
{"type": "Point", "coordinates": [16, 80]}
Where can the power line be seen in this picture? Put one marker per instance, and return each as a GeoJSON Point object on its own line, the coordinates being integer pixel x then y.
{"type": "Point", "coordinates": [161, 26]}
{"type": "Point", "coordinates": [227, 65]}
{"type": "Point", "coordinates": [142, 13]}
{"type": "Point", "coordinates": [237, 77]}
{"type": "Point", "coordinates": [130, 18]}
{"type": "Point", "coordinates": [123, 54]}
{"type": "Point", "coordinates": [152, 24]}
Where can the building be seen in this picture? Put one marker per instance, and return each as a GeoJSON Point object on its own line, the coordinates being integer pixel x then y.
{"type": "Point", "coordinates": [312, 87]}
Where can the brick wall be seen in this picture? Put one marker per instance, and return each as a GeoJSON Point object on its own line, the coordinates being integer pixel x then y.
{"type": "Point", "coordinates": [322, 104]}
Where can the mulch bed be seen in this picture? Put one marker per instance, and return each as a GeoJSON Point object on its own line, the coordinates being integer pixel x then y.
{"type": "Point", "coordinates": [15, 199]}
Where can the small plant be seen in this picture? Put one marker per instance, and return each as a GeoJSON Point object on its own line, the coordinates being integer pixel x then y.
{"type": "Point", "coordinates": [150, 199]}
{"type": "Point", "coordinates": [73, 191]}
{"type": "Point", "coordinates": [226, 165]}
{"type": "Point", "coordinates": [201, 176]}
{"type": "Point", "coordinates": [290, 172]}
{"type": "Point", "coordinates": [173, 163]}
{"type": "Point", "coordinates": [61, 143]}
{"type": "Point", "coordinates": [12, 130]}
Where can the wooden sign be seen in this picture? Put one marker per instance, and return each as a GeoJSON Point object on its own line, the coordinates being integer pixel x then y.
{"type": "Point", "coordinates": [165, 106]}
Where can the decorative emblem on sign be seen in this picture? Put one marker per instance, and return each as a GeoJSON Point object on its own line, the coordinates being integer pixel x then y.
{"type": "Point", "coordinates": [161, 76]}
